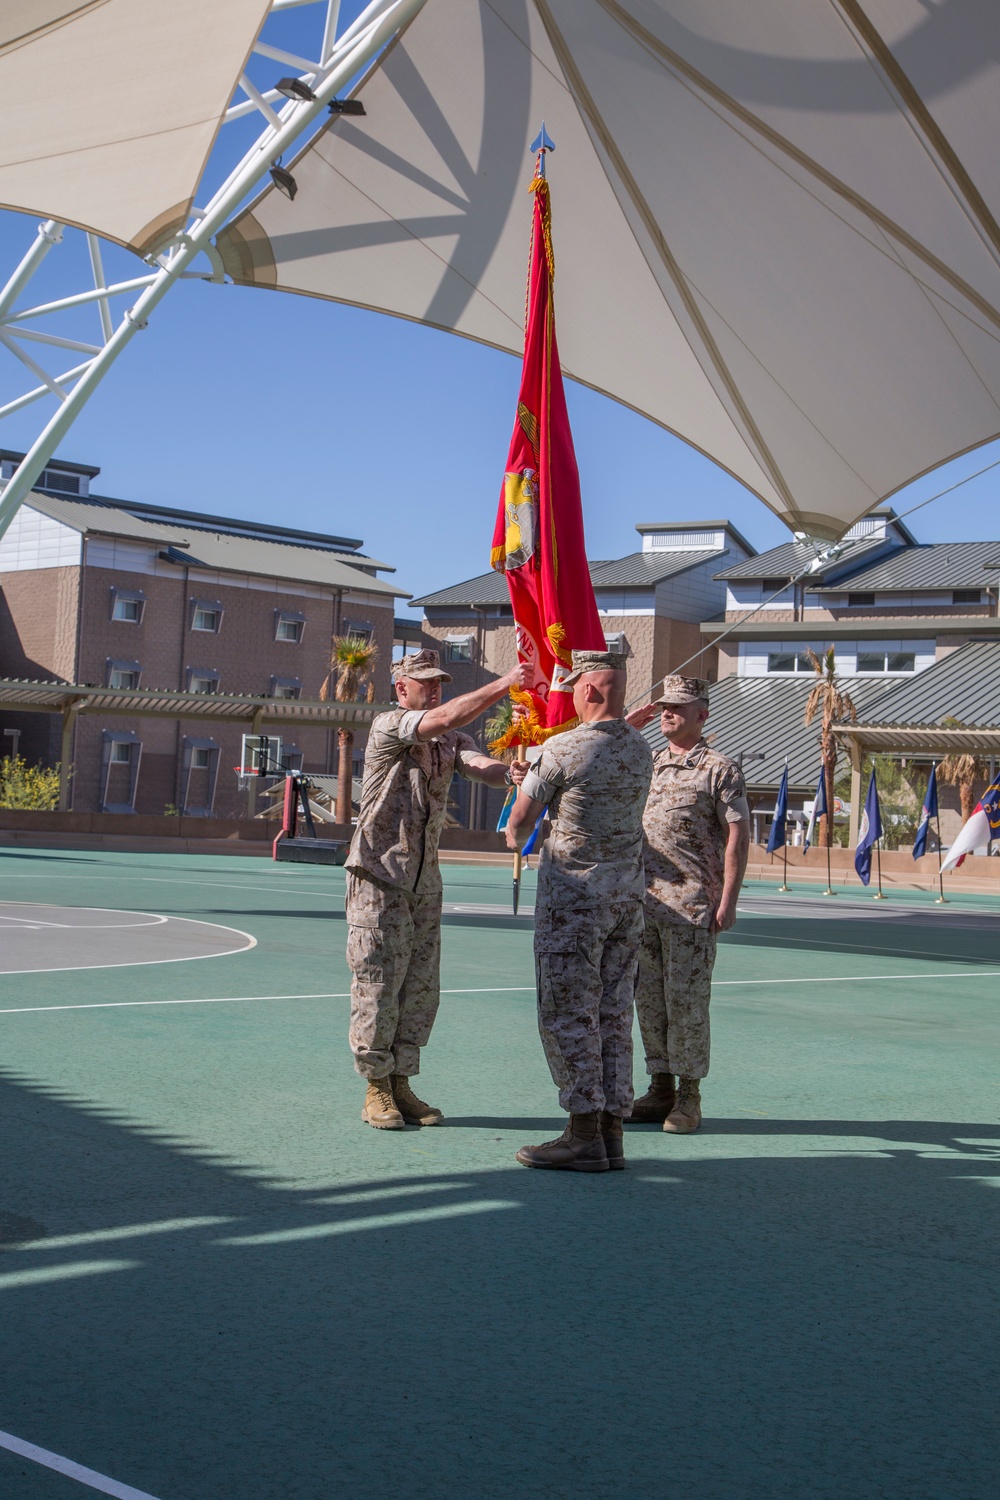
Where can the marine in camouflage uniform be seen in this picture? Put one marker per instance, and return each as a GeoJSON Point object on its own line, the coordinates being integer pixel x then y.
{"type": "Point", "coordinates": [394, 881]}
{"type": "Point", "coordinates": [588, 912]}
{"type": "Point", "coordinates": [696, 811]}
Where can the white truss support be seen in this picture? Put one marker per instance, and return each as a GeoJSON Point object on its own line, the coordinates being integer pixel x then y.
{"type": "Point", "coordinates": [97, 267]}
{"type": "Point", "coordinates": [291, 4]}
{"type": "Point", "coordinates": [43, 390]}
{"type": "Point", "coordinates": [53, 338]}
{"type": "Point", "coordinates": [264, 49]}
{"type": "Point", "coordinates": [371, 32]}
{"type": "Point", "coordinates": [33, 366]}
{"type": "Point", "coordinates": [49, 234]}
{"type": "Point", "coordinates": [259, 102]}
{"type": "Point", "coordinates": [330, 30]}
{"type": "Point", "coordinates": [79, 299]}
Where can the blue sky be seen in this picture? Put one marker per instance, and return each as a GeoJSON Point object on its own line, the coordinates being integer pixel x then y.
{"type": "Point", "coordinates": [259, 404]}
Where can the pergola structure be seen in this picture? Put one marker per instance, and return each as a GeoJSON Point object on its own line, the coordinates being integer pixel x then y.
{"type": "Point", "coordinates": [921, 741]}
{"type": "Point", "coordinates": [72, 700]}
{"type": "Point", "coordinates": [777, 222]}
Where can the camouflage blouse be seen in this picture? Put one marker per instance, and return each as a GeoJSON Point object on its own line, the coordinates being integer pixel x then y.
{"type": "Point", "coordinates": [404, 798]}
{"type": "Point", "coordinates": [594, 780]}
{"type": "Point", "coordinates": [692, 801]}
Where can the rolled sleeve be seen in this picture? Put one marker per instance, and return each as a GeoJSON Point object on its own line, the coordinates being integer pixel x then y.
{"type": "Point", "coordinates": [538, 790]}
{"type": "Point", "coordinates": [408, 726]}
{"type": "Point", "coordinates": [467, 753]}
{"type": "Point", "coordinates": [731, 797]}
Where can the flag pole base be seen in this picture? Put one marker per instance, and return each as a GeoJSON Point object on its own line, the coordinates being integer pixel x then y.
{"type": "Point", "coordinates": [879, 897]}
{"type": "Point", "coordinates": [941, 901]}
{"type": "Point", "coordinates": [784, 887]}
{"type": "Point", "coordinates": [829, 891]}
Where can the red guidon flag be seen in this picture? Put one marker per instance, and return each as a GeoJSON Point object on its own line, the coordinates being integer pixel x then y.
{"type": "Point", "coordinates": [538, 541]}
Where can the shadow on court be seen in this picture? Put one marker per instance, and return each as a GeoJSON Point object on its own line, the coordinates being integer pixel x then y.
{"type": "Point", "coordinates": [804, 1325]}
{"type": "Point", "coordinates": [912, 934]}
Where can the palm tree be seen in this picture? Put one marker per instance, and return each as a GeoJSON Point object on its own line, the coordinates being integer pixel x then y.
{"type": "Point", "coordinates": [352, 660]}
{"type": "Point", "coordinates": [963, 771]}
{"type": "Point", "coordinates": [832, 703]}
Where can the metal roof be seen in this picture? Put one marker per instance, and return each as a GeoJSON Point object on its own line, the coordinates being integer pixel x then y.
{"type": "Point", "coordinates": [219, 552]}
{"type": "Point", "coordinates": [61, 697]}
{"type": "Point", "coordinates": [788, 560]}
{"type": "Point", "coordinates": [637, 570]}
{"type": "Point", "coordinates": [487, 588]}
{"type": "Point", "coordinates": [643, 569]}
{"type": "Point", "coordinates": [751, 715]}
{"type": "Point", "coordinates": [964, 685]}
{"type": "Point", "coordinates": [928, 565]}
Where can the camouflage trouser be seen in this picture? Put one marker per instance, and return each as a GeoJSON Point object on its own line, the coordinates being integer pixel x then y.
{"type": "Point", "coordinates": [585, 971]}
{"type": "Point", "coordinates": [394, 952]}
{"type": "Point", "coordinates": [672, 992]}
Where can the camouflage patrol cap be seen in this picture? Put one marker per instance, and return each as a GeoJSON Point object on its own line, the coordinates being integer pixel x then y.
{"type": "Point", "coordinates": [597, 661]}
{"type": "Point", "coordinates": [419, 664]}
{"type": "Point", "coordinates": [683, 690]}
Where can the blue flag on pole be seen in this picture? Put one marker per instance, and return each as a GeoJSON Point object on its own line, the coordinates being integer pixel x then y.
{"type": "Point", "coordinates": [930, 810]}
{"type": "Point", "coordinates": [871, 829]}
{"type": "Point", "coordinates": [819, 808]}
{"type": "Point", "coordinates": [776, 838]}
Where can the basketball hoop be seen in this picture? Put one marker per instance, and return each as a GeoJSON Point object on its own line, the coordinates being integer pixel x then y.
{"type": "Point", "coordinates": [243, 775]}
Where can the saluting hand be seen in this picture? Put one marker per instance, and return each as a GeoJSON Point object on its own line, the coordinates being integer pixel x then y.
{"type": "Point", "coordinates": [640, 717]}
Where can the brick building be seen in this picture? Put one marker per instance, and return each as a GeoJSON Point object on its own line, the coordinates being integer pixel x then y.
{"type": "Point", "coordinates": [116, 593]}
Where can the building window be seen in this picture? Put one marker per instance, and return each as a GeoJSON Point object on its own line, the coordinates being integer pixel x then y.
{"type": "Point", "coordinates": [887, 661]}
{"type": "Point", "coordinates": [358, 630]}
{"type": "Point", "coordinates": [199, 774]}
{"type": "Point", "coordinates": [124, 674]}
{"type": "Point", "coordinates": [55, 479]}
{"type": "Point", "coordinates": [127, 605]}
{"type": "Point", "coordinates": [288, 626]}
{"type": "Point", "coordinates": [615, 641]}
{"type": "Point", "coordinates": [286, 687]}
{"type": "Point", "coordinates": [773, 585]}
{"type": "Point", "coordinates": [206, 617]}
{"type": "Point", "coordinates": [120, 757]}
{"type": "Point", "coordinates": [458, 648]}
{"type": "Point", "coordinates": [291, 758]}
{"type": "Point", "coordinates": [965, 596]}
{"type": "Point", "coordinates": [788, 661]}
{"type": "Point", "coordinates": [202, 680]}
{"type": "Point", "coordinates": [861, 601]}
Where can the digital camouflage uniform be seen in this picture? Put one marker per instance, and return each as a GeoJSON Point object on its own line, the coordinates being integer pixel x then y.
{"type": "Point", "coordinates": [693, 799]}
{"type": "Point", "coordinates": [394, 891]}
{"type": "Point", "coordinates": [588, 912]}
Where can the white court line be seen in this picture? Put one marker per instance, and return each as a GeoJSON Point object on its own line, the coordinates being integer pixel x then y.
{"type": "Point", "coordinates": [139, 963]}
{"type": "Point", "coordinates": [89, 1477]}
{"type": "Point", "coordinates": [505, 989]}
{"type": "Point", "coordinates": [20, 1010]}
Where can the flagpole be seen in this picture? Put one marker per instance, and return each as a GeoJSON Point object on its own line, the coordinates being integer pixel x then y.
{"type": "Point", "coordinates": [521, 755]}
{"type": "Point", "coordinates": [942, 899]}
{"type": "Point", "coordinates": [878, 896]}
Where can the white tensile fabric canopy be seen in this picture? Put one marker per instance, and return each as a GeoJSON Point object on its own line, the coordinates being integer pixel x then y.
{"type": "Point", "coordinates": [775, 220]}
{"type": "Point", "coordinates": [111, 107]}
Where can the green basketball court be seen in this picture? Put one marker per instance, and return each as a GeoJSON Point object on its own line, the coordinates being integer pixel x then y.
{"type": "Point", "coordinates": [217, 1284]}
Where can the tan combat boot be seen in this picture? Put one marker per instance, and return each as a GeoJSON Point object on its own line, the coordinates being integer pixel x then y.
{"type": "Point", "coordinates": [580, 1148]}
{"type": "Point", "coordinates": [685, 1117]}
{"type": "Point", "coordinates": [380, 1107]}
{"type": "Point", "coordinates": [614, 1145]}
{"type": "Point", "coordinates": [656, 1104]}
{"type": "Point", "coordinates": [413, 1110]}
